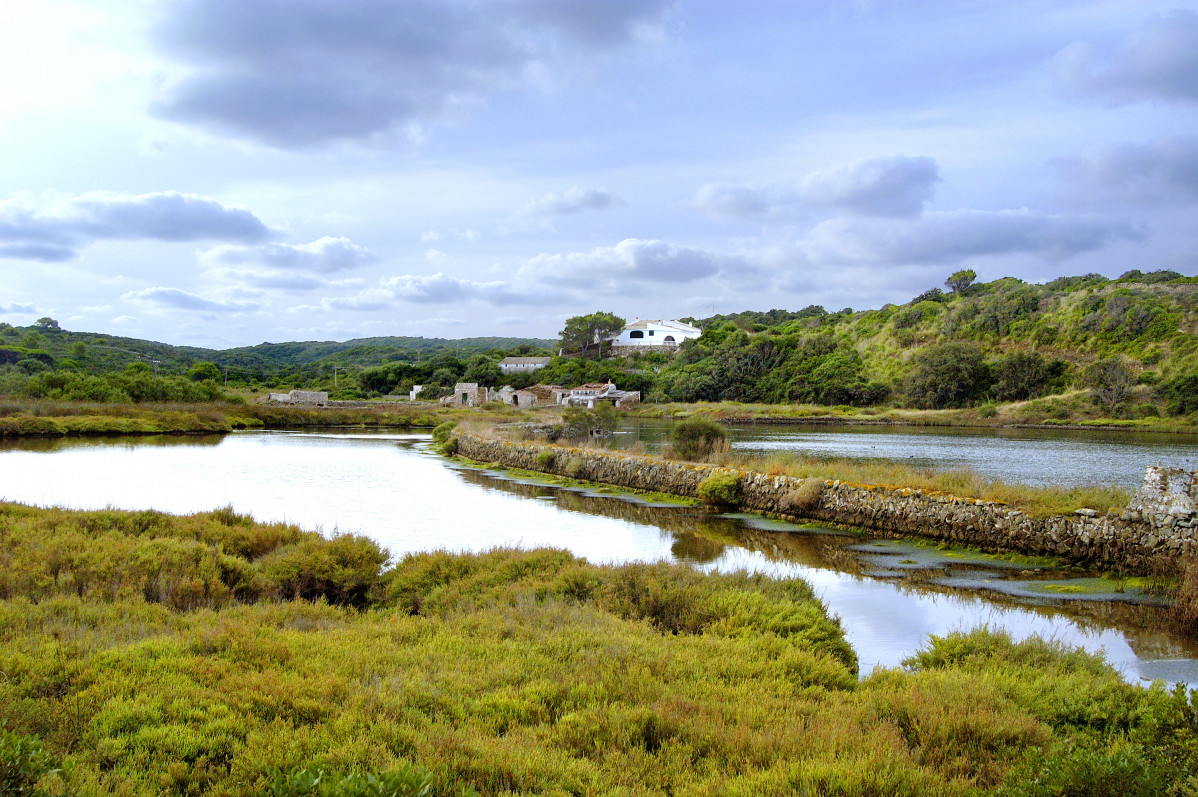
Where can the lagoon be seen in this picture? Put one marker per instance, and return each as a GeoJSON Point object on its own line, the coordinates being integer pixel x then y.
{"type": "Point", "coordinates": [889, 595]}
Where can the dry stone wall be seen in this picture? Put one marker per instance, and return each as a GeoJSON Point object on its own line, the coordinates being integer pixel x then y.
{"type": "Point", "coordinates": [1150, 532]}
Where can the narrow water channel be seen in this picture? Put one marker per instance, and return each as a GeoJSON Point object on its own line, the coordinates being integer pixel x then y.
{"type": "Point", "coordinates": [889, 595]}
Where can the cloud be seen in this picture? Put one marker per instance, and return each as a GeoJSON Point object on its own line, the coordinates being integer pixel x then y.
{"type": "Point", "coordinates": [613, 268]}
{"type": "Point", "coordinates": [948, 237]}
{"type": "Point", "coordinates": [442, 288]}
{"type": "Point", "coordinates": [47, 253]}
{"type": "Point", "coordinates": [57, 232]}
{"type": "Point", "coordinates": [177, 299]}
{"type": "Point", "coordinates": [271, 279]}
{"type": "Point", "coordinates": [574, 200]}
{"type": "Point", "coordinates": [1160, 171]}
{"type": "Point", "coordinates": [324, 255]}
{"type": "Point", "coordinates": [307, 72]}
{"type": "Point", "coordinates": [1160, 63]}
{"type": "Point", "coordinates": [18, 309]}
{"type": "Point", "coordinates": [889, 186]}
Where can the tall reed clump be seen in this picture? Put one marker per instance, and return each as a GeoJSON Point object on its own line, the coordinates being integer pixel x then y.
{"type": "Point", "coordinates": [1185, 598]}
{"type": "Point", "coordinates": [698, 440]}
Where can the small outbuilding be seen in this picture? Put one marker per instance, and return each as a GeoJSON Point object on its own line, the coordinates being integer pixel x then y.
{"type": "Point", "coordinates": [522, 365]}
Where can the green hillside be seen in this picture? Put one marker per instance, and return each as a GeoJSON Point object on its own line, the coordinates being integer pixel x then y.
{"type": "Point", "coordinates": [1076, 347]}
{"type": "Point", "coordinates": [1007, 340]}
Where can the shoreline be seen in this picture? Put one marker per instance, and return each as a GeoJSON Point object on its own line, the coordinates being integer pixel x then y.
{"type": "Point", "coordinates": [1134, 541]}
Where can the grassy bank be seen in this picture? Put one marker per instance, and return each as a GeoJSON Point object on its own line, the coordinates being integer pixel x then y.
{"type": "Point", "coordinates": [1071, 410]}
{"type": "Point", "coordinates": [150, 654]}
{"type": "Point", "coordinates": [65, 418]}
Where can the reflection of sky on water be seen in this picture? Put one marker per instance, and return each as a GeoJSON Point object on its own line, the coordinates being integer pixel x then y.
{"type": "Point", "coordinates": [885, 623]}
{"type": "Point", "coordinates": [1027, 456]}
{"type": "Point", "coordinates": [382, 485]}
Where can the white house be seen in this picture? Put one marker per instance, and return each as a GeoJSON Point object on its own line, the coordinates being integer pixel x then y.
{"type": "Point", "coordinates": [654, 334]}
{"type": "Point", "coordinates": [522, 365]}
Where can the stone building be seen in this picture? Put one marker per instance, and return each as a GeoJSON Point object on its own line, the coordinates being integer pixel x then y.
{"type": "Point", "coordinates": [522, 365]}
{"type": "Point", "coordinates": [466, 394]}
{"type": "Point", "coordinates": [310, 398]}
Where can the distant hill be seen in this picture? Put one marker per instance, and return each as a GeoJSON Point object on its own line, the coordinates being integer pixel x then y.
{"type": "Point", "coordinates": [96, 353]}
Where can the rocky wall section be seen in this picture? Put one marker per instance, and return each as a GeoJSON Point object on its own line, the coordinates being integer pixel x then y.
{"type": "Point", "coordinates": [1142, 537]}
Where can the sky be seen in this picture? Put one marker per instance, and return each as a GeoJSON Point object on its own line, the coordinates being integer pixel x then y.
{"type": "Point", "coordinates": [222, 173]}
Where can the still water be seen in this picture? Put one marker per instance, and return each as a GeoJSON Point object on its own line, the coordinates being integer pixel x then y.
{"type": "Point", "coordinates": [1029, 456]}
{"type": "Point", "coordinates": [889, 595]}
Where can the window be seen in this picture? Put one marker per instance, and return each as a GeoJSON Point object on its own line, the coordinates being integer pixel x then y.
{"type": "Point", "coordinates": [636, 333]}
{"type": "Point", "coordinates": [650, 333]}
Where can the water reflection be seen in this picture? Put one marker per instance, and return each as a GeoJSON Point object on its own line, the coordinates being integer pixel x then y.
{"type": "Point", "coordinates": [391, 488]}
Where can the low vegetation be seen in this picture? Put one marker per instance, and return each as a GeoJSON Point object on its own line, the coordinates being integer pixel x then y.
{"type": "Point", "coordinates": [23, 418]}
{"type": "Point", "coordinates": [146, 654]}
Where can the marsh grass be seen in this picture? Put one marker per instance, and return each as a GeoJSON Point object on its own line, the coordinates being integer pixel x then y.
{"type": "Point", "coordinates": [527, 672]}
{"type": "Point", "coordinates": [64, 418]}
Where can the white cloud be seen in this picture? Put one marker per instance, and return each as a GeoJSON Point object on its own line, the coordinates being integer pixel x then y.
{"type": "Point", "coordinates": [58, 231]}
{"type": "Point", "coordinates": [307, 73]}
{"type": "Point", "coordinates": [574, 200]}
{"type": "Point", "coordinates": [947, 237]}
{"type": "Point", "coordinates": [1150, 173]}
{"type": "Point", "coordinates": [1161, 63]}
{"type": "Point", "coordinates": [888, 186]}
{"type": "Point", "coordinates": [631, 260]}
{"type": "Point", "coordinates": [323, 255]}
{"type": "Point", "coordinates": [177, 299]}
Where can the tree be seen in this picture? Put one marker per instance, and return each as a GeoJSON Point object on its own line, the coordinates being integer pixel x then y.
{"type": "Point", "coordinates": [204, 372]}
{"type": "Point", "coordinates": [960, 280]}
{"type": "Point", "coordinates": [947, 375]}
{"type": "Point", "coordinates": [583, 333]}
{"type": "Point", "coordinates": [1109, 380]}
{"type": "Point", "coordinates": [48, 324]}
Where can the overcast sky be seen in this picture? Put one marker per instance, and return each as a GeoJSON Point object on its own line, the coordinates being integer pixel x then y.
{"type": "Point", "coordinates": [224, 172]}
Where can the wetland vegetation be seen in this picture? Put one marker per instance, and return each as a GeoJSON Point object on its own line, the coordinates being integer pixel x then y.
{"type": "Point", "coordinates": [146, 653]}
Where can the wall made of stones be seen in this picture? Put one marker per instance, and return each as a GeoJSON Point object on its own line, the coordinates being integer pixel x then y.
{"type": "Point", "coordinates": [1128, 540]}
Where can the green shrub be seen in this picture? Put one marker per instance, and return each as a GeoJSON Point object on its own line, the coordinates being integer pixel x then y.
{"type": "Point", "coordinates": [23, 763]}
{"type": "Point", "coordinates": [987, 410]}
{"type": "Point", "coordinates": [721, 489]}
{"type": "Point", "coordinates": [574, 467]}
{"type": "Point", "coordinates": [441, 432]}
{"type": "Point", "coordinates": [342, 570]}
{"type": "Point", "coordinates": [545, 459]}
{"type": "Point", "coordinates": [407, 781]}
{"type": "Point", "coordinates": [697, 439]}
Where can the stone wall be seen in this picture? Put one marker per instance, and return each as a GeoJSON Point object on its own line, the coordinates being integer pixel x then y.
{"type": "Point", "coordinates": [1143, 537]}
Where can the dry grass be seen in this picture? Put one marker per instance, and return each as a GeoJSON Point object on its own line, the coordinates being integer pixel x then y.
{"type": "Point", "coordinates": [1037, 501]}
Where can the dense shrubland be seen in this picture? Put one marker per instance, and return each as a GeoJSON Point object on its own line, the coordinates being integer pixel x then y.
{"type": "Point", "coordinates": [1003, 341]}
{"type": "Point", "coordinates": [149, 654]}
{"type": "Point", "coordinates": [1129, 344]}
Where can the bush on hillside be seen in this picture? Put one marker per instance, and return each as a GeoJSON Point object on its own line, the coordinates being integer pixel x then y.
{"type": "Point", "coordinates": [947, 375]}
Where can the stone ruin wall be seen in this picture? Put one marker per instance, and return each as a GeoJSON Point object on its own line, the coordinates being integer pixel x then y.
{"type": "Point", "coordinates": [1158, 527]}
